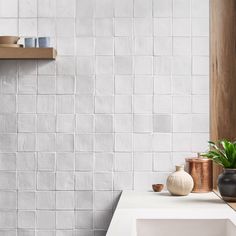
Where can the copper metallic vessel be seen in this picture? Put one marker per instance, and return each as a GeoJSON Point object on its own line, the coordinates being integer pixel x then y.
{"type": "Point", "coordinates": [201, 171]}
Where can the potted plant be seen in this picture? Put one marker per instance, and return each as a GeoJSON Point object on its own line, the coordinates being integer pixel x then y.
{"type": "Point", "coordinates": [223, 153]}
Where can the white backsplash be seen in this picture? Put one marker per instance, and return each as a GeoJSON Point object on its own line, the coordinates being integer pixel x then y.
{"type": "Point", "coordinates": [125, 100]}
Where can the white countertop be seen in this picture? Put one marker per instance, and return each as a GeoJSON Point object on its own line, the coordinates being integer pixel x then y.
{"type": "Point", "coordinates": [149, 205]}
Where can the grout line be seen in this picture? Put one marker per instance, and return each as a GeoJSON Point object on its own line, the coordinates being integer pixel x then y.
{"type": "Point", "coordinates": [132, 95]}
{"type": "Point", "coordinates": [153, 82]}
{"type": "Point", "coordinates": [171, 83]}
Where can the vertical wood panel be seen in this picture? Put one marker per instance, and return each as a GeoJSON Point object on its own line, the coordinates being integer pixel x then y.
{"type": "Point", "coordinates": [222, 72]}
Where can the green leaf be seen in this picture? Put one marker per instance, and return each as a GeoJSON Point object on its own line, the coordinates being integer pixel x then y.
{"type": "Point", "coordinates": [218, 149]}
{"type": "Point", "coordinates": [222, 152]}
{"type": "Point", "coordinates": [229, 149]}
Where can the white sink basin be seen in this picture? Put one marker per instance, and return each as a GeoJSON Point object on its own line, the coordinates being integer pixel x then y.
{"type": "Point", "coordinates": [185, 227]}
{"type": "Point", "coordinates": [159, 214]}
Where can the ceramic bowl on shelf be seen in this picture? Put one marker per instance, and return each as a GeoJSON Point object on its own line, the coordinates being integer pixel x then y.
{"type": "Point", "coordinates": [11, 45]}
{"type": "Point", "coordinates": [9, 39]}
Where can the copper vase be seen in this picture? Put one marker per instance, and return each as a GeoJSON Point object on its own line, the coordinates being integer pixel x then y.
{"type": "Point", "coordinates": [201, 171]}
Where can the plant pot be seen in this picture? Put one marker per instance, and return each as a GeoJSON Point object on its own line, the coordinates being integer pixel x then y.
{"type": "Point", "coordinates": [227, 185]}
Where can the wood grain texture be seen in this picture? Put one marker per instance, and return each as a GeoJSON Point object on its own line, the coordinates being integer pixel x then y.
{"type": "Point", "coordinates": [222, 73]}
{"type": "Point", "coordinates": [231, 204]}
{"type": "Point", "coordinates": [27, 53]}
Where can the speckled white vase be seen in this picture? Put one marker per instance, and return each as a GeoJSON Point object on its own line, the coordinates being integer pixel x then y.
{"type": "Point", "coordinates": [179, 183]}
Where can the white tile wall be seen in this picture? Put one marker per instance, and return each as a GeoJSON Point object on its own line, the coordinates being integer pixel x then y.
{"type": "Point", "coordinates": [126, 100]}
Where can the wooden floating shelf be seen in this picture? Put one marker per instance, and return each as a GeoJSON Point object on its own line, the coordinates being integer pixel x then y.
{"type": "Point", "coordinates": [28, 53]}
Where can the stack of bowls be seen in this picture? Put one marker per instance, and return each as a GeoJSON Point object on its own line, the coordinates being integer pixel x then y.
{"type": "Point", "coordinates": [9, 42]}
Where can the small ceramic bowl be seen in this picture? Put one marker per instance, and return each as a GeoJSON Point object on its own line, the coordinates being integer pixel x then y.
{"type": "Point", "coordinates": [9, 39]}
{"type": "Point", "coordinates": [157, 187]}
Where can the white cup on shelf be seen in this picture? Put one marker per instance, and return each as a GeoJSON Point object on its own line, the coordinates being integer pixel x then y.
{"type": "Point", "coordinates": [30, 42]}
{"type": "Point", "coordinates": [44, 42]}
